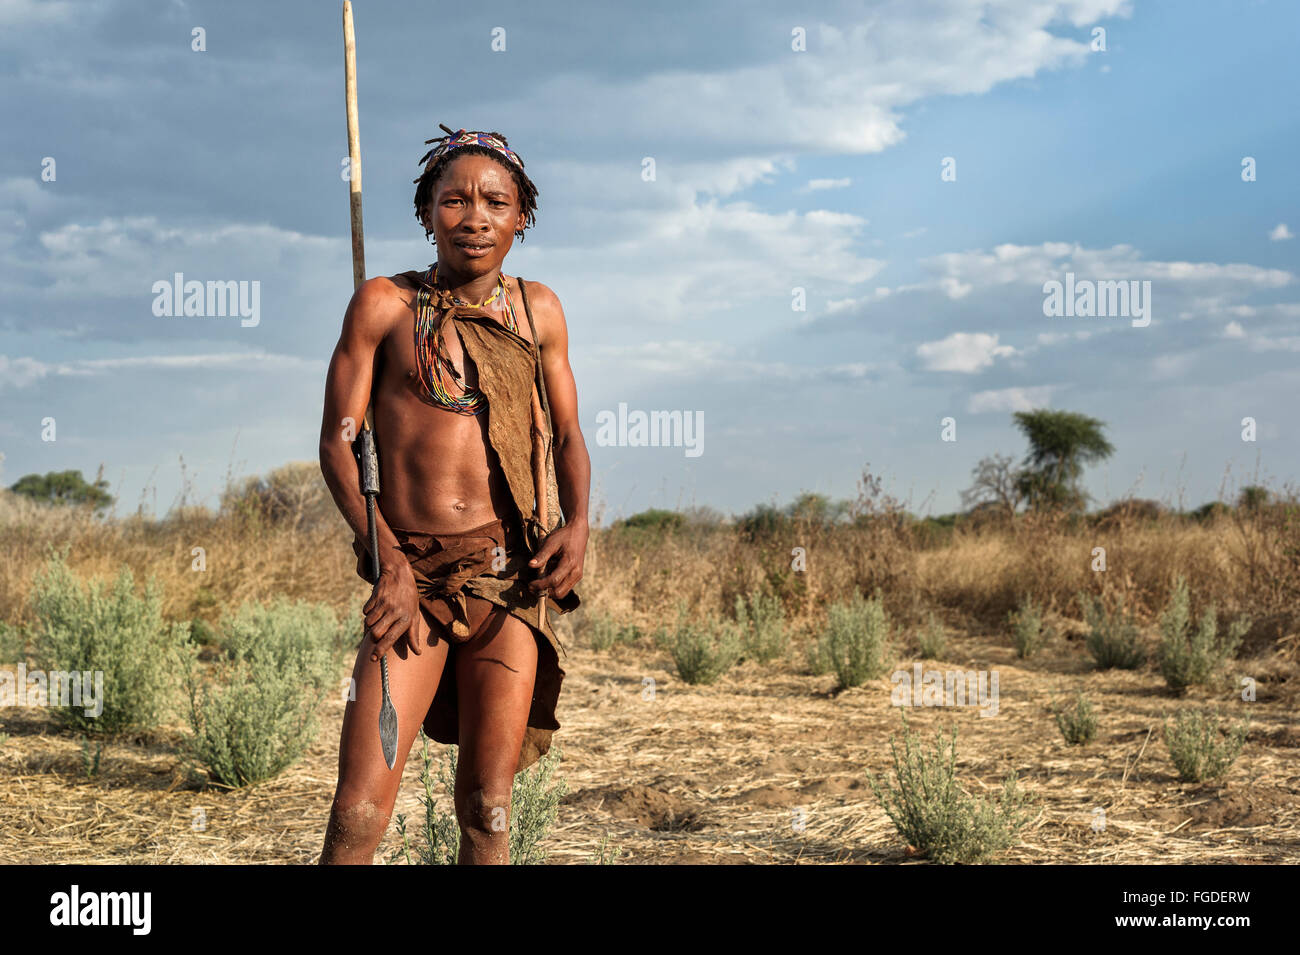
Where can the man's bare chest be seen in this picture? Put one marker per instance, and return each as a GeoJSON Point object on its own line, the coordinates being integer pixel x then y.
{"type": "Point", "coordinates": [415, 354]}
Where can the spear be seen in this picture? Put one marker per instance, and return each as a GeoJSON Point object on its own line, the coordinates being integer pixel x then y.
{"type": "Point", "coordinates": [369, 462]}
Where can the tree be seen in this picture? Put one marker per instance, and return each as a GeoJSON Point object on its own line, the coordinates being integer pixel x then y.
{"type": "Point", "coordinates": [64, 487]}
{"type": "Point", "coordinates": [1252, 497]}
{"type": "Point", "coordinates": [996, 483]}
{"type": "Point", "coordinates": [655, 518]}
{"type": "Point", "coordinates": [816, 509]}
{"type": "Point", "coordinates": [1060, 444]}
{"type": "Point", "coordinates": [294, 494]}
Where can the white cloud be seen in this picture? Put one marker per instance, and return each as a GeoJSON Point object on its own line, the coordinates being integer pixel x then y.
{"type": "Point", "coordinates": [23, 371]}
{"type": "Point", "coordinates": [1010, 399]}
{"type": "Point", "coordinates": [1234, 330]}
{"type": "Point", "coordinates": [1054, 338]}
{"type": "Point", "coordinates": [815, 185]}
{"type": "Point", "coordinates": [15, 13]}
{"type": "Point", "coordinates": [719, 361]}
{"type": "Point", "coordinates": [1172, 366]}
{"type": "Point", "coordinates": [963, 352]}
{"type": "Point", "coordinates": [957, 273]}
{"type": "Point", "coordinates": [1280, 232]}
{"type": "Point", "coordinates": [846, 93]}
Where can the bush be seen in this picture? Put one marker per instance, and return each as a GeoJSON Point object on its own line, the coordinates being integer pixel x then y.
{"type": "Point", "coordinates": [124, 636]}
{"type": "Point", "coordinates": [13, 644]}
{"type": "Point", "coordinates": [702, 650]}
{"type": "Point", "coordinates": [856, 641]}
{"type": "Point", "coordinates": [1200, 747]}
{"type": "Point", "coordinates": [297, 634]}
{"type": "Point", "coordinates": [1113, 638]}
{"type": "Point", "coordinates": [931, 641]}
{"type": "Point", "coordinates": [1188, 658]}
{"type": "Point", "coordinates": [258, 715]}
{"type": "Point", "coordinates": [1027, 632]}
{"type": "Point", "coordinates": [534, 806]}
{"type": "Point", "coordinates": [1078, 725]}
{"type": "Point", "coordinates": [603, 632]}
{"type": "Point", "coordinates": [939, 819]}
{"type": "Point", "coordinates": [654, 519]}
{"type": "Point", "coordinates": [293, 495]}
{"type": "Point", "coordinates": [605, 854]}
{"type": "Point", "coordinates": [762, 626]}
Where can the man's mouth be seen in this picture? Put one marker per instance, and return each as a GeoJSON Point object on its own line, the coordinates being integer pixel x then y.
{"type": "Point", "coordinates": [474, 248]}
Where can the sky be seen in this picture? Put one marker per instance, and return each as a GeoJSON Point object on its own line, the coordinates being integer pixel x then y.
{"type": "Point", "coordinates": [823, 232]}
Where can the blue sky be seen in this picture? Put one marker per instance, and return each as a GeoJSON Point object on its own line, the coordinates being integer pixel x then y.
{"type": "Point", "coordinates": [775, 170]}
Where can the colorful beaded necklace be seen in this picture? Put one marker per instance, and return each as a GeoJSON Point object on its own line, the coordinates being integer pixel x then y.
{"type": "Point", "coordinates": [428, 348]}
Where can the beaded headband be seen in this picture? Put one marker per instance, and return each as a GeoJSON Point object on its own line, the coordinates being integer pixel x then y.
{"type": "Point", "coordinates": [462, 137]}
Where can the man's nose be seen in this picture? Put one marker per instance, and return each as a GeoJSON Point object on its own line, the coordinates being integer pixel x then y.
{"type": "Point", "coordinates": [475, 218]}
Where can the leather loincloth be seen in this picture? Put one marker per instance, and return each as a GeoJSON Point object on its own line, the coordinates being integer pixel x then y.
{"type": "Point", "coordinates": [459, 572]}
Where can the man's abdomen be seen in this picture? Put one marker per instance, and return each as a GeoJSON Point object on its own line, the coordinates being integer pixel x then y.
{"type": "Point", "coordinates": [436, 472]}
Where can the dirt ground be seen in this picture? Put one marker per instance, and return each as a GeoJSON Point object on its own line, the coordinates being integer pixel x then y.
{"type": "Point", "coordinates": [766, 766]}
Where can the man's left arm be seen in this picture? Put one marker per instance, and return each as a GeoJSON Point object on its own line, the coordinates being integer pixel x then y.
{"type": "Point", "coordinates": [564, 550]}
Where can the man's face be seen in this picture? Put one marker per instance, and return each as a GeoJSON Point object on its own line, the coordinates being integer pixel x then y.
{"type": "Point", "coordinates": [474, 214]}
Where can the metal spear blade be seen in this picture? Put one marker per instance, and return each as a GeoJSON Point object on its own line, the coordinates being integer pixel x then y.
{"type": "Point", "coordinates": [387, 719]}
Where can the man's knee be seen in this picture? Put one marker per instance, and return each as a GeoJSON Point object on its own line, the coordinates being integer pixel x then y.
{"type": "Point", "coordinates": [484, 810]}
{"type": "Point", "coordinates": [356, 820]}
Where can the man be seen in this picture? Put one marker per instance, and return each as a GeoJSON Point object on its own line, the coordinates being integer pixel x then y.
{"type": "Point", "coordinates": [448, 356]}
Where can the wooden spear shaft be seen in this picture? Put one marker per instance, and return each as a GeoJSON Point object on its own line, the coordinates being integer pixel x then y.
{"type": "Point", "coordinates": [354, 151]}
{"type": "Point", "coordinates": [369, 460]}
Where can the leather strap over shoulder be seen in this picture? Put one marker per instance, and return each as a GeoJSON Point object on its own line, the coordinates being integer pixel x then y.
{"type": "Point", "coordinates": [540, 379]}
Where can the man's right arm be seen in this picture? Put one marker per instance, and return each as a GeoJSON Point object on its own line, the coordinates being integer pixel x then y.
{"type": "Point", "coordinates": [370, 315]}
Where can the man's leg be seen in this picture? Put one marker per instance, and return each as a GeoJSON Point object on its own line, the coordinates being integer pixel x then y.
{"type": "Point", "coordinates": [494, 673]}
{"type": "Point", "coordinates": [367, 788]}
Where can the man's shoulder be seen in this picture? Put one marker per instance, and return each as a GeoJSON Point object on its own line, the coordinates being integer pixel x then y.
{"type": "Point", "coordinates": [543, 300]}
{"type": "Point", "coordinates": [386, 295]}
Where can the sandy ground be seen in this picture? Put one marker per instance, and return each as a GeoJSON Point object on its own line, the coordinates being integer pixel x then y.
{"type": "Point", "coordinates": [768, 765]}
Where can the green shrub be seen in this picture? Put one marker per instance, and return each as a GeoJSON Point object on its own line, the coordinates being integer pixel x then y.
{"type": "Point", "coordinates": [935, 815]}
{"type": "Point", "coordinates": [603, 632]}
{"type": "Point", "coordinates": [762, 626]}
{"type": "Point", "coordinates": [296, 634]}
{"type": "Point", "coordinates": [932, 641]}
{"type": "Point", "coordinates": [93, 628]}
{"type": "Point", "coordinates": [856, 641]}
{"type": "Point", "coordinates": [13, 644]}
{"type": "Point", "coordinates": [702, 648]}
{"type": "Point", "coordinates": [819, 664]}
{"type": "Point", "coordinates": [1027, 632]}
{"type": "Point", "coordinates": [605, 853]}
{"type": "Point", "coordinates": [1113, 638]}
{"type": "Point", "coordinates": [203, 633]}
{"type": "Point", "coordinates": [534, 806]}
{"type": "Point", "coordinates": [255, 714]}
{"type": "Point", "coordinates": [1200, 747]}
{"type": "Point", "coordinates": [1187, 658]}
{"type": "Point", "coordinates": [1077, 725]}
{"type": "Point", "coordinates": [89, 762]}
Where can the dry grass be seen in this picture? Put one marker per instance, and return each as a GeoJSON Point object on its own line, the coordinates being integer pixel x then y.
{"type": "Point", "coordinates": [768, 764]}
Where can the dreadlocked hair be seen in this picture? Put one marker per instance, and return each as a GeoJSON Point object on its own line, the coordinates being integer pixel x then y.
{"type": "Point", "coordinates": [433, 170]}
